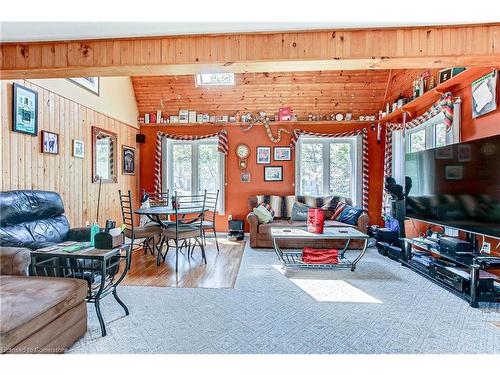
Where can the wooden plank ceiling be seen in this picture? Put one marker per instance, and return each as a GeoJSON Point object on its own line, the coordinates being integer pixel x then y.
{"type": "Point", "coordinates": [392, 48]}
{"type": "Point", "coordinates": [321, 92]}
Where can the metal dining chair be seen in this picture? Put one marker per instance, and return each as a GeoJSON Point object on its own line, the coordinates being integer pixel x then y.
{"type": "Point", "coordinates": [147, 232]}
{"type": "Point", "coordinates": [210, 214]}
{"type": "Point", "coordinates": [185, 228]}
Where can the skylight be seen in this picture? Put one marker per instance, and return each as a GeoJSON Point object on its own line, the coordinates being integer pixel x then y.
{"type": "Point", "coordinates": [215, 79]}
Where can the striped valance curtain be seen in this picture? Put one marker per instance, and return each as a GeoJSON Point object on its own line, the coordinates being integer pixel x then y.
{"type": "Point", "coordinates": [223, 147]}
{"type": "Point", "coordinates": [365, 166]}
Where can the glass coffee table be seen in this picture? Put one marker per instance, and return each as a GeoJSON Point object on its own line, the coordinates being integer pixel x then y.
{"type": "Point", "coordinates": [293, 258]}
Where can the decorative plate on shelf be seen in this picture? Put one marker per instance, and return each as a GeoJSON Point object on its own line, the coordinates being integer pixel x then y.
{"type": "Point", "coordinates": [339, 117]}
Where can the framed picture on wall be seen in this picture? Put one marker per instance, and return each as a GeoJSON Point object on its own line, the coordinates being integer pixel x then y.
{"type": "Point", "coordinates": [50, 142]}
{"type": "Point", "coordinates": [263, 155]}
{"type": "Point", "coordinates": [282, 153]}
{"type": "Point", "coordinates": [89, 83]}
{"type": "Point", "coordinates": [454, 172]}
{"type": "Point", "coordinates": [24, 110]}
{"type": "Point", "coordinates": [245, 177]}
{"type": "Point", "coordinates": [273, 173]}
{"type": "Point", "coordinates": [78, 149]}
{"type": "Point", "coordinates": [484, 94]}
{"type": "Point", "coordinates": [128, 160]}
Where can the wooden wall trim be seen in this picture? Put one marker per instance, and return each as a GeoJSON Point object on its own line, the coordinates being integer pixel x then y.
{"type": "Point", "coordinates": [432, 47]}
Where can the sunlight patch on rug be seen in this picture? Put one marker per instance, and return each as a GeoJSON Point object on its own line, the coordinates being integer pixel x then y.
{"type": "Point", "coordinates": [331, 290]}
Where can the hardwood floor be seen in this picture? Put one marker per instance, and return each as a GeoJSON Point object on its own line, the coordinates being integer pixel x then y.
{"type": "Point", "coordinates": [220, 271]}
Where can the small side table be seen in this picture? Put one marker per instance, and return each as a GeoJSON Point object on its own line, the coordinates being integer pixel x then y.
{"type": "Point", "coordinates": [99, 267]}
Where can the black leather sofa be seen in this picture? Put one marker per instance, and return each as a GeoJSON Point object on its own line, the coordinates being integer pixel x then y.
{"type": "Point", "coordinates": [37, 314]}
{"type": "Point", "coordinates": [34, 219]}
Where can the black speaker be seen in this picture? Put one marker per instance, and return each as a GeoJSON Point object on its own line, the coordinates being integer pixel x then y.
{"type": "Point", "coordinates": [140, 138]}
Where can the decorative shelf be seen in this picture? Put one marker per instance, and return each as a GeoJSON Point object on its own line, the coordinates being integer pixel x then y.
{"type": "Point", "coordinates": [431, 96]}
{"type": "Point", "coordinates": [233, 124]}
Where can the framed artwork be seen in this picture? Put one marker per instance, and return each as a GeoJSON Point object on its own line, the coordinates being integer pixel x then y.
{"type": "Point", "coordinates": [454, 172]}
{"type": "Point", "coordinates": [50, 142]}
{"type": "Point", "coordinates": [24, 110]}
{"type": "Point", "coordinates": [78, 149]}
{"type": "Point", "coordinates": [444, 75]}
{"type": "Point", "coordinates": [128, 160]}
{"type": "Point", "coordinates": [104, 144]}
{"type": "Point", "coordinates": [444, 152]}
{"type": "Point", "coordinates": [245, 177]}
{"type": "Point", "coordinates": [282, 153]}
{"type": "Point", "coordinates": [484, 94]}
{"type": "Point", "coordinates": [89, 83]}
{"type": "Point", "coordinates": [263, 155]}
{"type": "Point", "coordinates": [464, 153]}
{"type": "Point", "coordinates": [273, 173]}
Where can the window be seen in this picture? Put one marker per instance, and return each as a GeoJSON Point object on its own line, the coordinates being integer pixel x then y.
{"type": "Point", "coordinates": [190, 167]}
{"type": "Point", "coordinates": [215, 79]}
{"type": "Point", "coordinates": [328, 166]}
{"type": "Point", "coordinates": [430, 134]}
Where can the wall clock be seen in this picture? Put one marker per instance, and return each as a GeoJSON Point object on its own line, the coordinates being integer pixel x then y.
{"type": "Point", "coordinates": [242, 151]}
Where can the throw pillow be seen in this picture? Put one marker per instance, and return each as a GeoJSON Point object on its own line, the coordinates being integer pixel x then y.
{"type": "Point", "coordinates": [263, 215]}
{"type": "Point", "coordinates": [338, 210]}
{"type": "Point", "coordinates": [268, 207]}
{"type": "Point", "coordinates": [299, 212]}
{"type": "Point", "coordinates": [288, 201]}
{"type": "Point", "coordinates": [350, 215]}
{"type": "Point", "coordinates": [275, 201]}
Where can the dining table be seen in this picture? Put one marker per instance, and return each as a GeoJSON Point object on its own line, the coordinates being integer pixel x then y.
{"type": "Point", "coordinates": [156, 212]}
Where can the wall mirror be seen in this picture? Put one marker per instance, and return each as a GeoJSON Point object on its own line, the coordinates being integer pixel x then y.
{"type": "Point", "coordinates": [104, 145]}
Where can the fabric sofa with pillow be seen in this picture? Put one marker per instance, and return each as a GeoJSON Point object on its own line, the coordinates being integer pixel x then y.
{"type": "Point", "coordinates": [282, 208]}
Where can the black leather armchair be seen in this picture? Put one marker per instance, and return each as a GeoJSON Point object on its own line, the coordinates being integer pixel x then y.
{"type": "Point", "coordinates": [35, 219]}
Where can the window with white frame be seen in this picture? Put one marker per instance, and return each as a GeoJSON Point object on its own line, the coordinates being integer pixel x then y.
{"type": "Point", "coordinates": [328, 166]}
{"type": "Point", "coordinates": [430, 134]}
{"type": "Point", "coordinates": [190, 167]}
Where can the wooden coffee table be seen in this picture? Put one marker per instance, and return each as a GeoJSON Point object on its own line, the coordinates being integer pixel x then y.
{"type": "Point", "coordinates": [293, 258]}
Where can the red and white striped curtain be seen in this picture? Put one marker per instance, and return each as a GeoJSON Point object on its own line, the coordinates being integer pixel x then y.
{"type": "Point", "coordinates": [365, 166]}
{"type": "Point", "coordinates": [222, 147]}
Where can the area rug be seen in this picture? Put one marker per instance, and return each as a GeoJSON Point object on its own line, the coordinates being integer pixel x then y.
{"type": "Point", "coordinates": [220, 271]}
{"type": "Point", "coordinates": [382, 307]}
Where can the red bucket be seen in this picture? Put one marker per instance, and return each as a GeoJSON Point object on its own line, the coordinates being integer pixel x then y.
{"type": "Point", "coordinates": [315, 220]}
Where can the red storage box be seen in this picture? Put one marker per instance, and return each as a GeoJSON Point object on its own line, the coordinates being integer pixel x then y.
{"type": "Point", "coordinates": [320, 256]}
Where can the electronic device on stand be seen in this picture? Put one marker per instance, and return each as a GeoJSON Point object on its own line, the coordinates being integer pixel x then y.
{"type": "Point", "coordinates": [455, 186]}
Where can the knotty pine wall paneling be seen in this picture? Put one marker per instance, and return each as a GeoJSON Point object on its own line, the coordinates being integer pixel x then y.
{"type": "Point", "coordinates": [24, 166]}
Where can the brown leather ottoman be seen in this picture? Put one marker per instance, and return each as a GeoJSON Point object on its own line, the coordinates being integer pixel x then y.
{"type": "Point", "coordinates": [39, 314]}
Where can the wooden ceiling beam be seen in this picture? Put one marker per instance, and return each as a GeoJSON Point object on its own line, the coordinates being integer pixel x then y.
{"type": "Point", "coordinates": [408, 48]}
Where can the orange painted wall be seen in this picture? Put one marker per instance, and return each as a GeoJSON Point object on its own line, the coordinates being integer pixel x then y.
{"type": "Point", "coordinates": [481, 127]}
{"type": "Point", "coordinates": [237, 192]}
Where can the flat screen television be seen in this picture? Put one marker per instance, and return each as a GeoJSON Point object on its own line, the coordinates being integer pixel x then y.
{"type": "Point", "coordinates": [457, 186]}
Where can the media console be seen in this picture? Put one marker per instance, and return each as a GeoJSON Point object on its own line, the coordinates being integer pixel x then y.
{"type": "Point", "coordinates": [465, 274]}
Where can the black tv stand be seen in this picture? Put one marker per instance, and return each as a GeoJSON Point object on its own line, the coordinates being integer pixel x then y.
{"type": "Point", "coordinates": [479, 285]}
